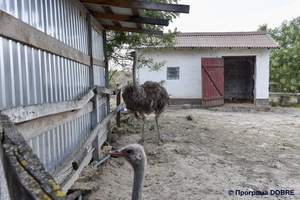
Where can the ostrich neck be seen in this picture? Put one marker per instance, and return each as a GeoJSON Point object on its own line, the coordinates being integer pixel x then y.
{"type": "Point", "coordinates": [139, 175]}
{"type": "Point", "coordinates": [135, 85]}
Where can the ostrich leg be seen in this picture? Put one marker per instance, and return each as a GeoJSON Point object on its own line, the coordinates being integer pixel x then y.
{"type": "Point", "coordinates": [160, 142]}
{"type": "Point", "coordinates": [143, 130]}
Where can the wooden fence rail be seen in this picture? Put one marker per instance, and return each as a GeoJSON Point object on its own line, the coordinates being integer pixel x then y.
{"type": "Point", "coordinates": [33, 120]}
{"type": "Point", "coordinates": [291, 94]}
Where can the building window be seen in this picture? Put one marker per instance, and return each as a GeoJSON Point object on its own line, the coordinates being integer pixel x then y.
{"type": "Point", "coordinates": [172, 73]}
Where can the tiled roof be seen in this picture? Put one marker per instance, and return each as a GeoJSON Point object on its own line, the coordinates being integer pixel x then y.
{"type": "Point", "coordinates": [257, 39]}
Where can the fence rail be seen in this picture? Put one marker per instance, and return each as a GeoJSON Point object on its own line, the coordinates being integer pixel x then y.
{"type": "Point", "coordinates": [40, 119]}
{"type": "Point", "coordinates": [291, 94]}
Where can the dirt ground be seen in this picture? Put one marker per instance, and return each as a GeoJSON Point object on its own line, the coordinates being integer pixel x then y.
{"type": "Point", "coordinates": [209, 152]}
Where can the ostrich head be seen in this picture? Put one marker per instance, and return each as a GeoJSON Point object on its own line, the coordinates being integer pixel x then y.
{"type": "Point", "coordinates": [133, 153]}
{"type": "Point", "coordinates": [132, 54]}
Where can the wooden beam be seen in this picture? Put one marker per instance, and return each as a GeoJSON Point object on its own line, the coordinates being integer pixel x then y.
{"type": "Point", "coordinates": [17, 30]}
{"type": "Point", "coordinates": [107, 85]}
{"type": "Point", "coordinates": [136, 30]}
{"type": "Point", "coordinates": [25, 113]}
{"type": "Point", "coordinates": [67, 184]}
{"type": "Point", "coordinates": [99, 62]}
{"type": "Point", "coordinates": [94, 134]}
{"type": "Point", "coordinates": [141, 5]}
{"type": "Point", "coordinates": [108, 10]}
{"type": "Point", "coordinates": [74, 195]}
{"type": "Point", "coordinates": [99, 126]}
{"type": "Point", "coordinates": [83, 11]}
{"type": "Point", "coordinates": [36, 127]}
{"type": "Point", "coordinates": [104, 90]}
{"type": "Point", "coordinates": [136, 12]}
{"type": "Point", "coordinates": [126, 18]}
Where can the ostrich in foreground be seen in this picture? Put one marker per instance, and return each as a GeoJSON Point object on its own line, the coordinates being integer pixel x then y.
{"type": "Point", "coordinates": [135, 155]}
{"type": "Point", "coordinates": [147, 98]}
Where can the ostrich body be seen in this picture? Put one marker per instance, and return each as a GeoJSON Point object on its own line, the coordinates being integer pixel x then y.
{"type": "Point", "coordinates": [147, 98]}
{"type": "Point", "coordinates": [136, 156]}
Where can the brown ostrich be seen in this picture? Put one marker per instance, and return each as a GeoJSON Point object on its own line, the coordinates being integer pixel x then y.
{"type": "Point", "coordinates": [136, 156]}
{"type": "Point", "coordinates": [150, 97]}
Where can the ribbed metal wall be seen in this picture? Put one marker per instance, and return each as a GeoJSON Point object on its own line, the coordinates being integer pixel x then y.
{"type": "Point", "coordinates": [54, 146]}
{"type": "Point", "coordinates": [31, 76]}
{"type": "Point", "coordinates": [98, 45]}
{"type": "Point", "coordinates": [60, 19]}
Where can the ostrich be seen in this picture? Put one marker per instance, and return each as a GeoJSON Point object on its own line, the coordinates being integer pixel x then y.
{"type": "Point", "coordinates": [135, 155]}
{"type": "Point", "coordinates": [147, 98]}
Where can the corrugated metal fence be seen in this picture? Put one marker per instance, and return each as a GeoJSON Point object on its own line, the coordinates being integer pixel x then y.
{"type": "Point", "coordinates": [30, 75]}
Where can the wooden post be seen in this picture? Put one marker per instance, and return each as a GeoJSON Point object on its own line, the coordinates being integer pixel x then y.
{"type": "Point", "coordinates": [119, 113]}
{"type": "Point", "coordinates": [95, 113]}
{"type": "Point", "coordinates": [107, 84]}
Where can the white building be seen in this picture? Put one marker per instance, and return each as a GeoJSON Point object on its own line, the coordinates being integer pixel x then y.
{"type": "Point", "coordinates": [208, 68]}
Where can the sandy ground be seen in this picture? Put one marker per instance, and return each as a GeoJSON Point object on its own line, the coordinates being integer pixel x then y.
{"type": "Point", "coordinates": [234, 147]}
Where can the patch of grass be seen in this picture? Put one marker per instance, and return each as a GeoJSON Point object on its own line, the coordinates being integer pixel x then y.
{"type": "Point", "coordinates": [121, 161]}
{"type": "Point", "coordinates": [212, 109]}
{"type": "Point", "coordinates": [134, 124]}
{"type": "Point", "coordinates": [296, 105]}
{"type": "Point", "coordinates": [288, 145]}
{"type": "Point", "coordinates": [206, 129]}
{"type": "Point", "coordinates": [110, 197]}
{"type": "Point", "coordinates": [274, 103]}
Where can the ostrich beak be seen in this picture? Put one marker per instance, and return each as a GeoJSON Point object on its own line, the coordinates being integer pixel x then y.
{"type": "Point", "coordinates": [117, 153]}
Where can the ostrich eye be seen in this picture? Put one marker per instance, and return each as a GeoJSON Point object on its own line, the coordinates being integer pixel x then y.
{"type": "Point", "coordinates": [129, 151]}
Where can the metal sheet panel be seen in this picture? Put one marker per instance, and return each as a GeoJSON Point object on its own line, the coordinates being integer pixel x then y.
{"type": "Point", "coordinates": [60, 19]}
{"type": "Point", "coordinates": [54, 146]}
{"type": "Point", "coordinates": [31, 76]}
{"type": "Point", "coordinates": [98, 51]}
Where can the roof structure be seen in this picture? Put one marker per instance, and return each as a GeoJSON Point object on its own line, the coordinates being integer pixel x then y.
{"type": "Point", "coordinates": [257, 39]}
{"type": "Point", "coordinates": [126, 15]}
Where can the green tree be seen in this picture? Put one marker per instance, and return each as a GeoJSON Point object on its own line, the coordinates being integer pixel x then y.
{"type": "Point", "coordinates": [285, 62]}
{"type": "Point", "coordinates": [119, 44]}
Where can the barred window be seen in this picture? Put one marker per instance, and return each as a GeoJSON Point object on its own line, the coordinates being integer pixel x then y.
{"type": "Point", "coordinates": [172, 73]}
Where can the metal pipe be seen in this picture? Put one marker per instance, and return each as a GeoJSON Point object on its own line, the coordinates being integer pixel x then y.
{"type": "Point", "coordinates": [104, 159]}
{"type": "Point", "coordinates": [101, 161]}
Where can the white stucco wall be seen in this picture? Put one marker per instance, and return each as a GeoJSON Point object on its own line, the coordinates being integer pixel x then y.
{"type": "Point", "coordinates": [189, 61]}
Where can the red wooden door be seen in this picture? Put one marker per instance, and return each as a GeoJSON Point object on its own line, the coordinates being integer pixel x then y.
{"type": "Point", "coordinates": [212, 81]}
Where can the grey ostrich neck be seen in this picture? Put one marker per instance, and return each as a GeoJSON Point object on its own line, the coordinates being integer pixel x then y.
{"type": "Point", "coordinates": [135, 85]}
{"type": "Point", "coordinates": [139, 175]}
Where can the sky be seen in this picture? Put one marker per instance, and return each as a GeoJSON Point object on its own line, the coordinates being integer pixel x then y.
{"type": "Point", "coordinates": [234, 15]}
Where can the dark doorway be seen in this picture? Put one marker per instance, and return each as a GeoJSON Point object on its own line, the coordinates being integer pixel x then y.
{"type": "Point", "coordinates": [238, 79]}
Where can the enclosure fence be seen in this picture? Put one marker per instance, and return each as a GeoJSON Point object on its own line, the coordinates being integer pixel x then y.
{"type": "Point", "coordinates": [53, 88]}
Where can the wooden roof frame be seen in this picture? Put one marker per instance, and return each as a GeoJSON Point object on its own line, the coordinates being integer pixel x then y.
{"type": "Point", "coordinates": [135, 6]}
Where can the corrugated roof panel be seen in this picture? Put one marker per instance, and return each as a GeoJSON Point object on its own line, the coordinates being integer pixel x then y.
{"type": "Point", "coordinates": [258, 39]}
{"type": "Point", "coordinates": [105, 22]}
{"type": "Point", "coordinates": [128, 24]}
{"type": "Point", "coordinates": [122, 11]}
{"type": "Point", "coordinates": [95, 8]}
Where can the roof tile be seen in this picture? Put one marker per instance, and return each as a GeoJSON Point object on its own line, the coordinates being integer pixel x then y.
{"type": "Point", "coordinates": [258, 39]}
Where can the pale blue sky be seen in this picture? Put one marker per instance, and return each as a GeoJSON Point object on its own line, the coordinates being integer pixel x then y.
{"type": "Point", "coordinates": [234, 15]}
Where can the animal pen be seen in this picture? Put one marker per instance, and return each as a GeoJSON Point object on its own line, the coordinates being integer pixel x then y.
{"type": "Point", "coordinates": [54, 89]}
